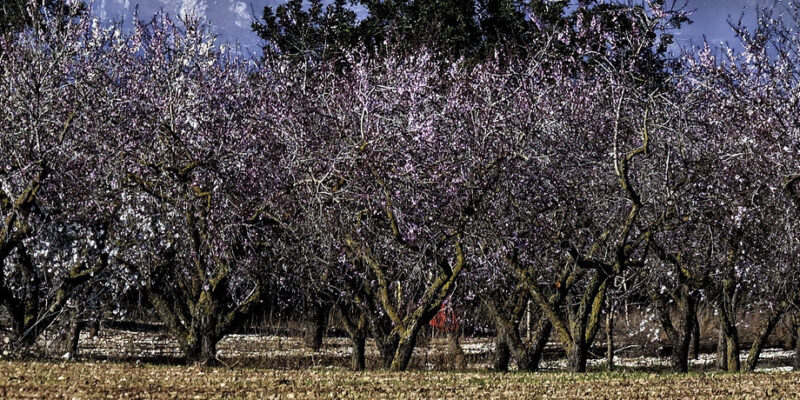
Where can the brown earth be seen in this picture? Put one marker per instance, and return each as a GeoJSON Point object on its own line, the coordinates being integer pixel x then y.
{"type": "Point", "coordinates": [98, 380]}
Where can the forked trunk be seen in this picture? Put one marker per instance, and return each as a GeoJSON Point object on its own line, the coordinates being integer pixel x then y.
{"type": "Point", "coordinates": [356, 327]}
{"type": "Point", "coordinates": [530, 356]}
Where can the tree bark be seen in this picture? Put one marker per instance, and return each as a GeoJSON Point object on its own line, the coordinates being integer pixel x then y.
{"type": "Point", "coordinates": [727, 325]}
{"type": "Point", "coordinates": [679, 332]}
{"type": "Point", "coordinates": [357, 331]}
{"type": "Point", "coordinates": [201, 349]}
{"type": "Point", "coordinates": [576, 357]}
{"type": "Point", "coordinates": [387, 347]}
{"type": "Point", "coordinates": [681, 341]}
{"type": "Point", "coordinates": [20, 335]}
{"type": "Point", "coordinates": [73, 335]}
{"type": "Point", "coordinates": [680, 352]}
{"type": "Point", "coordinates": [761, 339]}
{"type": "Point", "coordinates": [317, 327]}
{"type": "Point", "coordinates": [405, 349]}
{"type": "Point", "coordinates": [797, 347]}
{"type": "Point", "coordinates": [455, 350]}
{"type": "Point", "coordinates": [732, 352]}
{"type": "Point", "coordinates": [722, 350]}
{"type": "Point", "coordinates": [530, 355]}
{"type": "Point", "coordinates": [610, 338]}
{"type": "Point", "coordinates": [357, 360]}
{"type": "Point", "coordinates": [696, 337]}
{"type": "Point", "coordinates": [502, 354]}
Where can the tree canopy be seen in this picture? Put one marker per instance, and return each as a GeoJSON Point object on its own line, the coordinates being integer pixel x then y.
{"type": "Point", "coordinates": [18, 14]}
{"type": "Point", "coordinates": [475, 29]}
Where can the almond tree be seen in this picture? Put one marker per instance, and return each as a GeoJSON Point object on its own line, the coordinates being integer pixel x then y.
{"type": "Point", "coordinates": [56, 199]}
{"type": "Point", "coordinates": [743, 191]}
{"type": "Point", "coordinates": [202, 177]}
{"type": "Point", "coordinates": [764, 79]}
{"type": "Point", "coordinates": [392, 168]}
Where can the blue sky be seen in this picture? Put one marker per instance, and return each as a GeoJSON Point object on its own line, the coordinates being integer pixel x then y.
{"type": "Point", "coordinates": [710, 20]}
{"type": "Point", "coordinates": [230, 19]}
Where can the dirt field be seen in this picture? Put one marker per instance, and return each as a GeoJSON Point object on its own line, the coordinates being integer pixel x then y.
{"type": "Point", "coordinates": [146, 365]}
{"type": "Point", "coordinates": [37, 380]}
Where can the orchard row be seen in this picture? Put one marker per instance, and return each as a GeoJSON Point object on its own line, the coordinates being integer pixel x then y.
{"type": "Point", "coordinates": [384, 184]}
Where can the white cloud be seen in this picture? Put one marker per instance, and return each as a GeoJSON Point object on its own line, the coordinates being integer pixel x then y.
{"type": "Point", "coordinates": [241, 16]}
{"type": "Point", "coordinates": [193, 8]}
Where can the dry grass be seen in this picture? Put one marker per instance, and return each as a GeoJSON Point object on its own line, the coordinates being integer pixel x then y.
{"type": "Point", "coordinates": [40, 380]}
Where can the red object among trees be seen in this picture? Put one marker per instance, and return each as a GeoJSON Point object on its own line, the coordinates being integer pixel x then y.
{"type": "Point", "coordinates": [445, 320]}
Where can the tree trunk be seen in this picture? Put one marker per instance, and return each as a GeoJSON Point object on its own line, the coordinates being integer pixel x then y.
{"type": "Point", "coordinates": [793, 327]}
{"type": "Point", "coordinates": [680, 352]}
{"type": "Point", "coordinates": [94, 326]}
{"type": "Point", "coordinates": [797, 348]}
{"type": "Point", "coordinates": [455, 350]}
{"type": "Point", "coordinates": [73, 335]}
{"type": "Point", "coordinates": [761, 340]}
{"type": "Point", "coordinates": [387, 347]}
{"type": "Point", "coordinates": [202, 350]}
{"type": "Point", "coordinates": [357, 360]}
{"type": "Point", "coordinates": [610, 338]}
{"type": "Point", "coordinates": [25, 329]}
{"type": "Point", "coordinates": [678, 329]}
{"type": "Point", "coordinates": [732, 352]}
{"type": "Point", "coordinates": [722, 350]}
{"type": "Point", "coordinates": [405, 349]}
{"type": "Point", "coordinates": [317, 327]}
{"type": "Point", "coordinates": [727, 325]}
{"type": "Point", "coordinates": [683, 340]}
{"type": "Point", "coordinates": [576, 357]}
{"type": "Point", "coordinates": [529, 358]}
{"type": "Point", "coordinates": [502, 354]}
{"type": "Point", "coordinates": [696, 338]}
{"type": "Point", "coordinates": [357, 331]}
